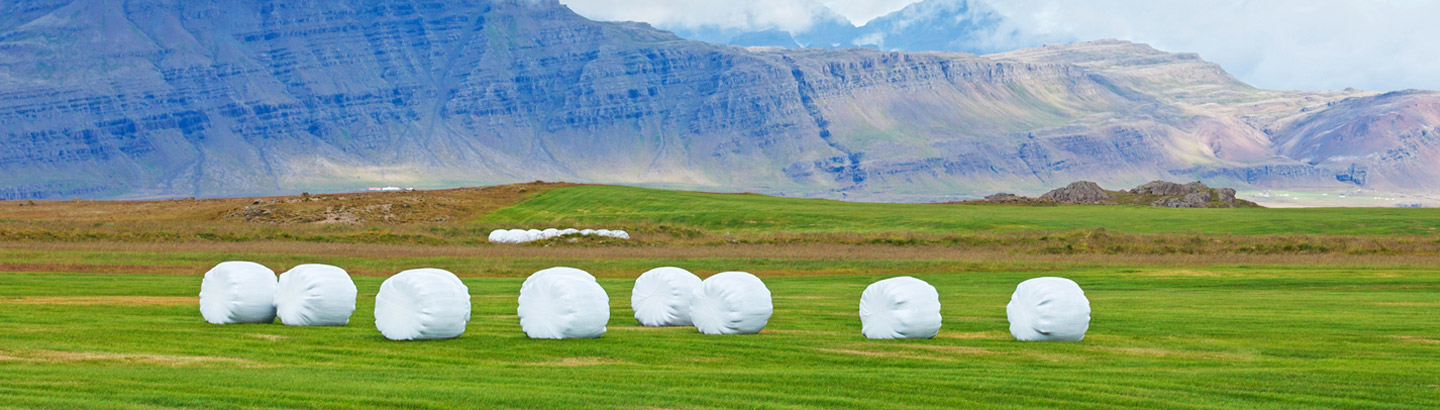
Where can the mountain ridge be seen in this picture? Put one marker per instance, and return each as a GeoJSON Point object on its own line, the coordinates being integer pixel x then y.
{"type": "Point", "coordinates": [249, 97]}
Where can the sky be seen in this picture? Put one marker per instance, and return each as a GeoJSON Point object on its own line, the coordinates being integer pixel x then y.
{"type": "Point", "coordinates": [1381, 45]}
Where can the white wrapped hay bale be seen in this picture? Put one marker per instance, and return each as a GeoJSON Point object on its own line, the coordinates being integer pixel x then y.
{"type": "Point", "coordinates": [559, 271]}
{"type": "Point", "coordinates": [602, 232]}
{"type": "Point", "coordinates": [519, 236]}
{"type": "Point", "coordinates": [900, 308]}
{"type": "Point", "coordinates": [535, 234]}
{"type": "Point", "coordinates": [238, 292]}
{"type": "Point", "coordinates": [563, 303]}
{"type": "Point", "coordinates": [421, 304]}
{"type": "Point", "coordinates": [587, 232]}
{"type": "Point", "coordinates": [619, 235]}
{"type": "Point", "coordinates": [315, 295]}
{"type": "Point", "coordinates": [549, 233]}
{"type": "Point", "coordinates": [1049, 309]}
{"type": "Point", "coordinates": [499, 236]}
{"type": "Point", "coordinates": [569, 231]}
{"type": "Point", "coordinates": [731, 303]}
{"type": "Point", "coordinates": [662, 297]}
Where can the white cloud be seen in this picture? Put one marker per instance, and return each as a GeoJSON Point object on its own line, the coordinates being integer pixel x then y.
{"type": "Point", "coordinates": [1284, 44]}
{"type": "Point", "coordinates": [862, 11]}
{"type": "Point", "coordinates": [788, 15]}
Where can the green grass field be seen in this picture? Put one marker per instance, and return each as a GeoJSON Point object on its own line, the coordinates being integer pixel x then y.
{"type": "Point", "coordinates": [625, 206]}
{"type": "Point", "coordinates": [101, 323]}
{"type": "Point", "coordinates": [1232, 337]}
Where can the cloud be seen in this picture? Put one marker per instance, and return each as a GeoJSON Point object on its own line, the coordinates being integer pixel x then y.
{"type": "Point", "coordinates": [788, 15]}
{"type": "Point", "coordinates": [1283, 44]}
{"type": "Point", "coordinates": [862, 11]}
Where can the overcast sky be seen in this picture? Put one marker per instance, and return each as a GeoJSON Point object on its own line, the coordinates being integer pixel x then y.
{"type": "Point", "coordinates": [1286, 44]}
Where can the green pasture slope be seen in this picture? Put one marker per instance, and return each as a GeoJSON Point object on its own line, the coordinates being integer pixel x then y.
{"type": "Point", "coordinates": [602, 206]}
{"type": "Point", "coordinates": [1160, 338]}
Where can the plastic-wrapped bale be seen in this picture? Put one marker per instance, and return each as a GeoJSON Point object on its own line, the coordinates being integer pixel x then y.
{"type": "Point", "coordinates": [549, 233]}
{"type": "Point", "coordinates": [619, 235]}
{"type": "Point", "coordinates": [1049, 309]}
{"type": "Point", "coordinates": [421, 304]}
{"type": "Point", "coordinates": [563, 303]}
{"type": "Point", "coordinates": [238, 292]}
{"type": "Point", "coordinates": [315, 295]}
{"type": "Point", "coordinates": [587, 232]}
{"type": "Point", "coordinates": [516, 236]}
{"type": "Point", "coordinates": [662, 297]}
{"type": "Point", "coordinates": [569, 231]}
{"type": "Point", "coordinates": [560, 271]}
{"type": "Point", "coordinates": [731, 303]}
{"type": "Point", "coordinates": [519, 236]}
{"type": "Point", "coordinates": [900, 308]}
{"type": "Point", "coordinates": [602, 232]}
{"type": "Point", "coordinates": [499, 236]}
{"type": "Point", "coordinates": [535, 234]}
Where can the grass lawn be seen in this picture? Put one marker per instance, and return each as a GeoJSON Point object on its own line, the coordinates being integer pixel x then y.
{"type": "Point", "coordinates": [1223, 336]}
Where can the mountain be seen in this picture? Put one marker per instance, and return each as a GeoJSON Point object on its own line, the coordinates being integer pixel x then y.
{"type": "Point", "coordinates": [166, 98]}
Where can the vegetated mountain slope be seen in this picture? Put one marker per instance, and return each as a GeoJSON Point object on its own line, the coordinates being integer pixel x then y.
{"type": "Point", "coordinates": [154, 98]}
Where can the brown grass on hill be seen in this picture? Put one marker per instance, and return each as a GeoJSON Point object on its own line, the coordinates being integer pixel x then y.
{"type": "Point", "coordinates": [438, 206]}
{"type": "Point", "coordinates": [49, 267]}
{"type": "Point", "coordinates": [510, 261]}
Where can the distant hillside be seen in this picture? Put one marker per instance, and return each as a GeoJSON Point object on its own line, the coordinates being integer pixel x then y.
{"type": "Point", "coordinates": [154, 98]}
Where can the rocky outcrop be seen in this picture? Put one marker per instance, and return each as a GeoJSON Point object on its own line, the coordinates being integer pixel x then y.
{"type": "Point", "coordinates": [1165, 188]}
{"type": "Point", "coordinates": [1158, 194]}
{"type": "Point", "coordinates": [1189, 200]}
{"type": "Point", "coordinates": [1082, 193]}
{"type": "Point", "coordinates": [1227, 195]}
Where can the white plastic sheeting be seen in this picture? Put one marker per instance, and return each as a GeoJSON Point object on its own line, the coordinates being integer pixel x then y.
{"type": "Point", "coordinates": [238, 292]}
{"type": "Point", "coordinates": [900, 308]}
{"type": "Point", "coordinates": [315, 295]}
{"type": "Point", "coordinates": [662, 297]}
{"type": "Point", "coordinates": [563, 303]}
{"type": "Point", "coordinates": [421, 304]}
{"type": "Point", "coordinates": [519, 236]}
{"type": "Point", "coordinates": [731, 303]}
{"type": "Point", "coordinates": [1049, 309]}
{"type": "Point", "coordinates": [523, 236]}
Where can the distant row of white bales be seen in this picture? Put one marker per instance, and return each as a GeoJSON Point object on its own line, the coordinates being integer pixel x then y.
{"type": "Point", "coordinates": [567, 303]}
{"type": "Point", "coordinates": [531, 235]}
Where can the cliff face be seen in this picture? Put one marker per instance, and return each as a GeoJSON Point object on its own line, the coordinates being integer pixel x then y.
{"type": "Point", "coordinates": [147, 98]}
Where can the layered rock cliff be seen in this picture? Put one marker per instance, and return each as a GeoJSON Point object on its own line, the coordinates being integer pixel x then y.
{"type": "Point", "coordinates": [157, 98]}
